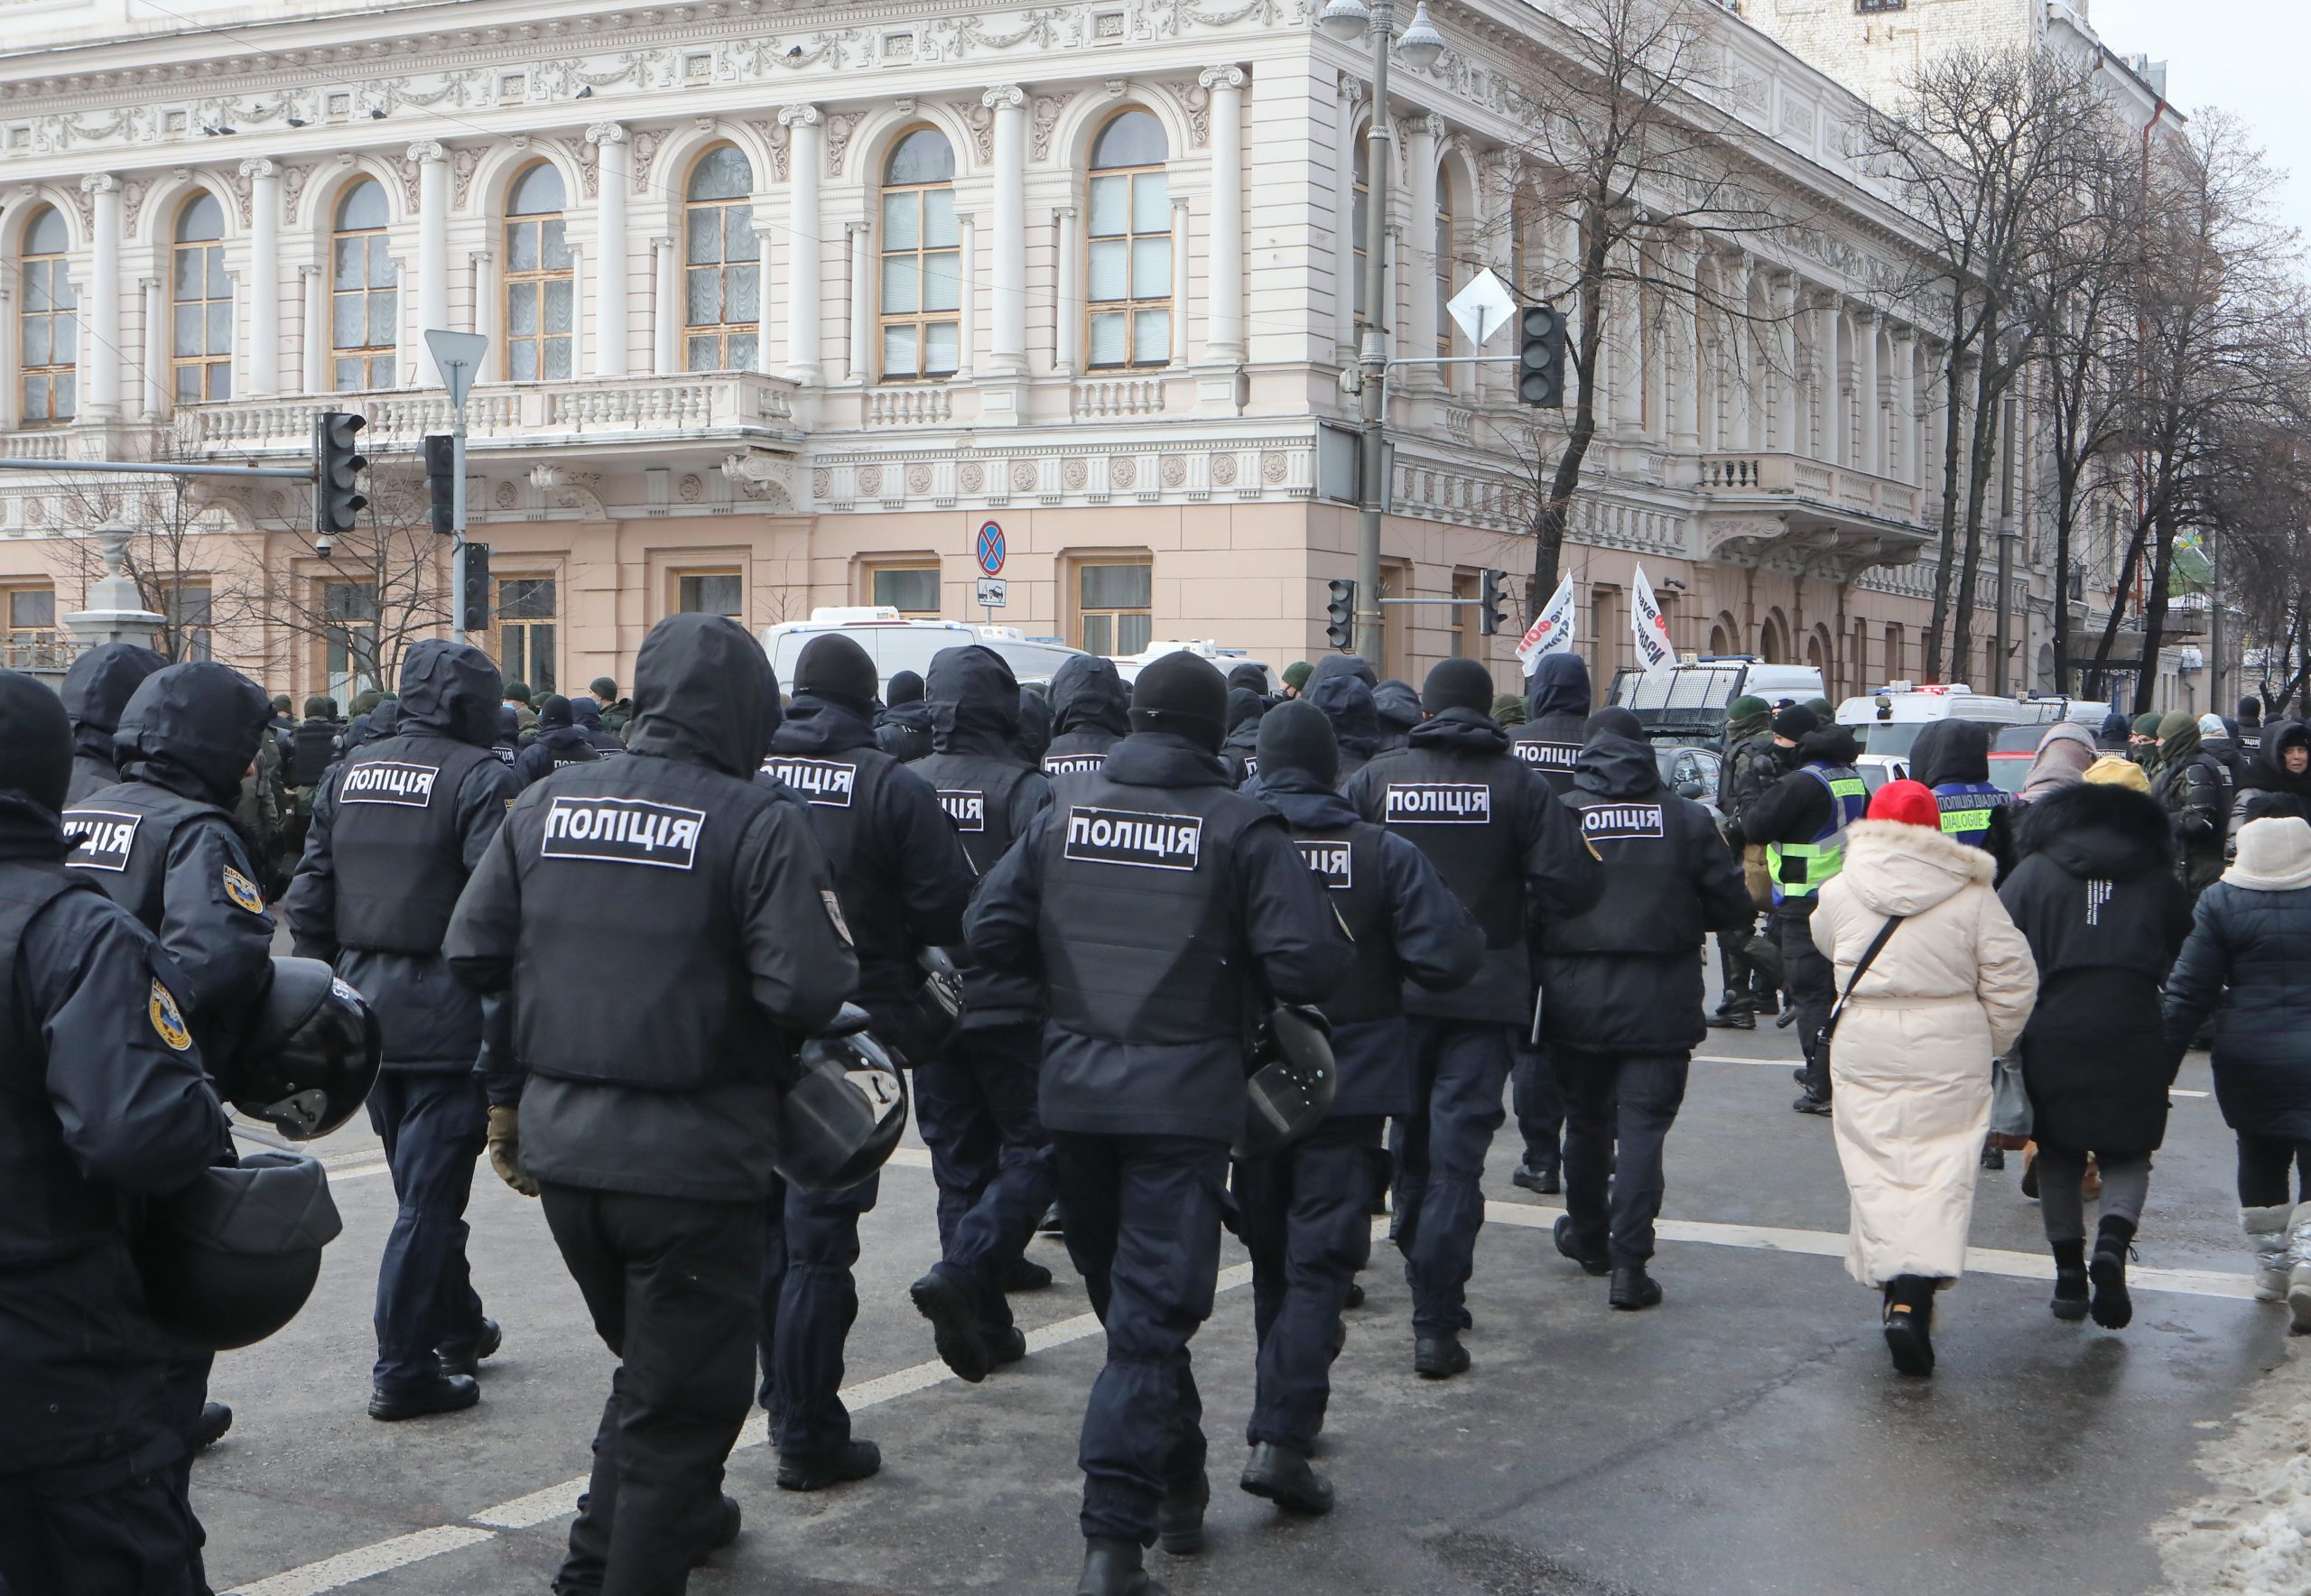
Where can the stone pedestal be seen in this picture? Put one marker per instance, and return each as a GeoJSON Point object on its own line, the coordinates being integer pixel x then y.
{"type": "Point", "coordinates": [115, 612]}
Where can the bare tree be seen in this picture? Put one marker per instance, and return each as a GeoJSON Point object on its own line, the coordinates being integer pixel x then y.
{"type": "Point", "coordinates": [180, 555]}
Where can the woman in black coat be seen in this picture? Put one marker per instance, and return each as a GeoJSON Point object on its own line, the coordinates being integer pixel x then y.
{"type": "Point", "coordinates": [2252, 937]}
{"type": "Point", "coordinates": [2277, 781]}
{"type": "Point", "coordinates": [2096, 895]}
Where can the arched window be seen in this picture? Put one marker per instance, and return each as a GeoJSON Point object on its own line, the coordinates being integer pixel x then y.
{"type": "Point", "coordinates": [48, 327]}
{"type": "Point", "coordinates": [200, 305]}
{"type": "Point", "coordinates": [365, 306]}
{"type": "Point", "coordinates": [539, 307]}
{"type": "Point", "coordinates": [1130, 286]}
{"type": "Point", "coordinates": [722, 281]}
{"type": "Point", "coordinates": [921, 259]}
{"type": "Point", "coordinates": [1443, 271]}
{"type": "Point", "coordinates": [1360, 198]}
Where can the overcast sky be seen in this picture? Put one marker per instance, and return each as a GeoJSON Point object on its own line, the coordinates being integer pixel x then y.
{"type": "Point", "coordinates": [2247, 56]}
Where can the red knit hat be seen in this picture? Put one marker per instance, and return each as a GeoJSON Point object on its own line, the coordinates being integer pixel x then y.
{"type": "Point", "coordinates": [1910, 802]}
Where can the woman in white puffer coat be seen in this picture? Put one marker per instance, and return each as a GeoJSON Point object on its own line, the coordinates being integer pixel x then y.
{"type": "Point", "coordinates": [1911, 1064]}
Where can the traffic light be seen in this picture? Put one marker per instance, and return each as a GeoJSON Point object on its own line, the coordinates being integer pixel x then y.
{"type": "Point", "coordinates": [1540, 356]}
{"type": "Point", "coordinates": [1492, 602]}
{"type": "Point", "coordinates": [442, 482]}
{"type": "Point", "coordinates": [1340, 629]}
{"type": "Point", "coordinates": [338, 465]}
{"type": "Point", "coordinates": [472, 595]}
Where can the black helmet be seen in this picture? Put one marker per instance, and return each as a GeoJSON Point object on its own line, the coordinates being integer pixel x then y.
{"type": "Point", "coordinates": [838, 1124]}
{"type": "Point", "coordinates": [230, 1259]}
{"type": "Point", "coordinates": [313, 1056]}
{"type": "Point", "coordinates": [938, 1003]}
{"type": "Point", "coordinates": [1293, 1080]}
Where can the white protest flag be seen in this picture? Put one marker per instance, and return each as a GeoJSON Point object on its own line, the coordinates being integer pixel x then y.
{"type": "Point", "coordinates": [1551, 631]}
{"type": "Point", "coordinates": [1649, 627]}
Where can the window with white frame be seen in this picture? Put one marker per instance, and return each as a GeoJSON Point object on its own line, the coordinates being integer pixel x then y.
{"type": "Point", "coordinates": [365, 298]}
{"type": "Point", "coordinates": [200, 305]}
{"type": "Point", "coordinates": [48, 324]}
{"type": "Point", "coordinates": [1130, 287]}
{"type": "Point", "coordinates": [922, 251]}
{"type": "Point", "coordinates": [539, 279]}
{"type": "Point", "coordinates": [721, 266]}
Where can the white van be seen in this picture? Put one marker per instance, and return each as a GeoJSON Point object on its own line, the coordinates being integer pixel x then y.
{"type": "Point", "coordinates": [1223, 660]}
{"type": "Point", "coordinates": [1686, 703]}
{"type": "Point", "coordinates": [895, 643]}
{"type": "Point", "coordinates": [1887, 723]}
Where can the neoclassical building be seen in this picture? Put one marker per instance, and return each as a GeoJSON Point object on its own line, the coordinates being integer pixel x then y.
{"type": "Point", "coordinates": [785, 302]}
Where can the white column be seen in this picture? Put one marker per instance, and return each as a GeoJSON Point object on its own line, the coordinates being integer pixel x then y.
{"type": "Point", "coordinates": [766, 229]}
{"type": "Point", "coordinates": [804, 313]}
{"type": "Point", "coordinates": [1007, 350]}
{"type": "Point", "coordinates": [481, 262]}
{"type": "Point", "coordinates": [1682, 336]}
{"type": "Point", "coordinates": [1420, 213]}
{"type": "Point", "coordinates": [1224, 333]}
{"type": "Point", "coordinates": [1180, 282]}
{"type": "Point", "coordinates": [665, 312]}
{"type": "Point", "coordinates": [860, 350]}
{"type": "Point", "coordinates": [314, 370]}
{"type": "Point", "coordinates": [1787, 424]}
{"type": "Point", "coordinates": [433, 251]}
{"type": "Point", "coordinates": [614, 179]}
{"type": "Point", "coordinates": [100, 306]}
{"type": "Point", "coordinates": [1873, 413]}
{"type": "Point", "coordinates": [577, 302]}
{"type": "Point", "coordinates": [1067, 324]}
{"type": "Point", "coordinates": [155, 405]}
{"type": "Point", "coordinates": [967, 301]}
{"type": "Point", "coordinates": [264, 278]}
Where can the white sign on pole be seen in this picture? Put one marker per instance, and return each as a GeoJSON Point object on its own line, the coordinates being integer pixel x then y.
{"type": "Point", "coordinates": [993, 592]}
{"type": "Point", "coordinates": [1649, 628]}
{"type": "Point", "coordinates": [458, 357]}
{"type": "Point", "coordinates": [1483, 308]}
{"type": "Point", "coordinates": [1552, 630]}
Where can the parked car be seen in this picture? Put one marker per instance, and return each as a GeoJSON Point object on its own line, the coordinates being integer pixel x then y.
{"type": "Point", "coordinates": [1887, 723]}
{"type": "Point", "coordinates": [1691, 771]}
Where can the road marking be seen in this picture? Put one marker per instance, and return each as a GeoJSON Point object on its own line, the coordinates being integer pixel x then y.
{"type": "Point", "coordinates": [1726, 1058]}
{"type": "Point", "coordinates": [361, 1563]}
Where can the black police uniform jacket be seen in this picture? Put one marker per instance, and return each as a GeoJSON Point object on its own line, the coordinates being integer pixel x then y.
{"type": "Point", "coordinates": [898, 872]}
{"type": "Point", "coordinates": [990, 794]}
{"type": "Point", "coordinates": [1403, 922]}
{"type": "Point", "coordinates": [553, 748]}
{"type": "Point", "coordinates": [1504, 844]}
{"type": "Point", "coordinates": [1090, 712]}
{"type": "Point", "coordinates": [1163, 911]}
{"type": "Point", "coordinates": [666, 928]}
{"type": "Point", "coordinates": [102, 1098]}
{"type": "Point", "coordinates": [1556, 720]}
{"type": "Point", "coordinates": [398, 826]}
{"type": "Point", "coordinates": [1626, 977]}
{"type": "Point", "coordinates": [903, 731]}
{"type": "Point", "coordinates": [164, 844]}
{"type": "Point", "coordinates": [1341, 687]}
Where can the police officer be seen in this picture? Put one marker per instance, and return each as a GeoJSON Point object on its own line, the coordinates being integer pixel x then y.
{"type": "Point", "coordinates": [1503, 843]}
{"type": "Point", "coordinates": [95, 690]}
{"type": "Point", "coordinates": [1623, 1011]}
{"type": "Point", "coordinates": [903, 725]}
{"type": "Point", "coordinates": [1801, 822]}
{"type": "Point", "coordinates": [1089, 714]}
{"type": "Point", "coordinates": [650, 1127]}
{"type": "Point", "coordinates": [1304, 1211]}
{"type": "Point", "coordinates": [102, 1100]}
{"type": "Point", "coordinates": [1162, 911]}
{"type": "Point", "coordinates": [1239, 750]}
{"type": "Point", "coordinates": [1341, 686]}
{"type": "Point", "coordinates": [1752, 761]}
{"type": "Point", "coordinates": [902, 881]}
{"type": "Point", "coordinates": [164, 844]}
{"type": "Point", "coordinates": [398, 827]}
{"type": "Point", "coordinates": [559, 742]}
{"type": "Point", "coordinates": [975, 1100]}
{"type": "Point", "coordinates": [1035, 726]}
{"type": "Point", "coordinates": [1556, 717]}
{"type": "Point", "coordinates": [586, 711]}
{"type": "Point", "coordinates": [1953, 758]}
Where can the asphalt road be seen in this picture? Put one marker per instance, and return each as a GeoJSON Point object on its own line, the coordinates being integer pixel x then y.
{"type": "Point", "coordinates": [1747, 1436]}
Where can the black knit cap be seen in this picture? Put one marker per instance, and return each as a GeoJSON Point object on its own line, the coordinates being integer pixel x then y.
{"type": "Point", "coordinates": [1796, 722]}
{"type": "Point", "coordinates": [1457, 684]}
{"type": "Point", "coordinates": [1616, 721]}
{"type": "Point", "coordinates": [35, 741]}
{"type": "Point", "coordinates": [1183, 694]}
{"type": "Point", "coordinates": [834, 666]}
{"type": "Point", "coordinates": [1298, 736]}
{"type": "Point", "coordinates": [906, 688]}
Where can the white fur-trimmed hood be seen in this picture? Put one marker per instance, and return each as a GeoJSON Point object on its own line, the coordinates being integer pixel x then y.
{"type": "Point", "coordinates": [1895, 869]}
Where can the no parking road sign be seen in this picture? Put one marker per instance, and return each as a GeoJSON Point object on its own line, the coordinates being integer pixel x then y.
{"type": "Point", "coordinates": [989, 549]}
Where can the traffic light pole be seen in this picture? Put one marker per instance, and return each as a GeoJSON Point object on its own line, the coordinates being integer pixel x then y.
{"type": "Point", "coordinates": [1373, 349]}
{"type": "Point", "coordinates": [458, 524]}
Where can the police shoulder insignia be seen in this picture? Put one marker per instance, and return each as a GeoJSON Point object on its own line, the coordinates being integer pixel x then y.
{"type": "Point", "coordinates": [166, 1019]}
{"type": "Point", "coordinates": [243, 891]}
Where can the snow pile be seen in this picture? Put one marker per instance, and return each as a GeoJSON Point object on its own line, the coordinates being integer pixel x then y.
{"type": "Point", "coordinates": [2252, 1535]}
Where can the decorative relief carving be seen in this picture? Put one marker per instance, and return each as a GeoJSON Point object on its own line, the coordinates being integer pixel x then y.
{"type": "Point", "coordinates": [1171, 470]}
{"type": "Point", "coordinates": [1223, 471]}
{"type": "Point", "coordinates": [981, 121]}
{"type": "Point", "coordinates": [973, 478]}
{"type": "Point", "coordinates": [1073, 473]}
{"type": "Point", "coordinates": [1023, 476]}
{"type": "Point", "coordinates": [918, 478]}
{"type": "Point", "coordinates": [841, 126]}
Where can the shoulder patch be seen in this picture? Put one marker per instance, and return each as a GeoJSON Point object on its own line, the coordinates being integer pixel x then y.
{"type": "Point", "coordinates": [243, 891]}
{"type": "Point", "coordinates": [167, 1020]}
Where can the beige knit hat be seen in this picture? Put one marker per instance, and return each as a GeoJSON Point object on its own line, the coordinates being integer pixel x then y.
{"type": "Point", "coordinates": [2112, 771]}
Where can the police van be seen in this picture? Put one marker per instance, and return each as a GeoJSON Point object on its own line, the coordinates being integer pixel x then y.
{"type": "Point", "coordinates": [1129, 665]}
{"type": "Point", "coordinates": [896, 643]}
{"type": "Point", "coordinates": [1887, 723]}
{"type": "Point", "coordinates": [1687, 703]}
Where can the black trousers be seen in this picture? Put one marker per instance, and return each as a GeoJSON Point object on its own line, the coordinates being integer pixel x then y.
{"type": "Point", "coordinates": [1744, 981]}
{"type": "Point", "coordinates": [1539, 1106]}
{"type": "Point", "coordinates": [672, 1286]}
{"type": "Point", "coordinates": [1143, 1229]}
{"type": "Point", "coordinates": [809, 1300]}
{"type": "Point", "coordinates": [2265, 1162]}
{"type": "Point", "coordinates": [434, 1124]}
{"type": "Point", "coordinates": [1458, 1069]}
{"type": "Point", "coordinates": [120, 1525]}
{"type": "Point", "coordinates": [1812, 982]}
{"type": "Point", "coordinates": [976, 1109]}
{"type": "Point", "coordinates": [1618, 1109]}
{"type": "Point", "coordinates": [1305, 1216]}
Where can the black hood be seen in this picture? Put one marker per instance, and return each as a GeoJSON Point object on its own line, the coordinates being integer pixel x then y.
{"type": "Point", "coordinates": [2268, 772]}
{"type": "Point", "coordinates": [1832, 745]}
{"type": "Point", "coordinates": [449, 690]}
{"type": "Point", "coordinates": [1617, 766]}
{"type": "Point", "coordinates": [1398, 703]}
{"type": "Point", "coordinates": [1339, 664]}
{"type": "Point", "coordinates": [974, 701]}
{"type": "Point", "coordinates": [585, 714]}
{"type": "Point", "coordinates": [1086, 695]}
{"type": "Point", "coordinates": [1951, 751]}
{"type": "Point", "coordinates": [822, 726]}
{"type": "Point", "coordinates": [2097, 830]}
{"type": "Point", "coordinates": [97, 688]}
{"type": "Point", "coordinates": [703, 692]}
{"type": "Point", "coordinates": [38, 737]}
{"type": "Point", "coordinates": [1346, 699]}
{"type": "Point", "coordinates": [1461, 731]}
{"type": "Point", "coordinates": [380, 722]}
{"type": "Point", "coordinates": [1251, 678]}
{"type": "Point", "coordinates": [193, 728]}
{"type": "Point", "coordinates": [1560, 686]}
{"type": "Point", "coordinates": [1035, 726]}
{"type": "Point", "coordinates": [1246, 709]}
{"type": "Point", "coordinates": [1306, 803]}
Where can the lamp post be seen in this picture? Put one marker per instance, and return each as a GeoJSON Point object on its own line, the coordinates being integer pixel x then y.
{"type": "Point", "coordinates": [1349, 21]}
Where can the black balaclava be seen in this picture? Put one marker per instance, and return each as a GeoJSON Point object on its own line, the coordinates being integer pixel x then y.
{"type": "Point", "coordinates": [35, 741]}
{"type": "Point", "coordinates": [833, 667]}
{"type": "Point", "coordinates": [906, 688]}
{"type": "Point", "coordinates": [1183, 695]}
{"type": "Point", "coordinates": [1297, 736]}
{"type": "Point", "coordinates": [1615, 721]}
{"type": "Point", "coordinates": [1457, 684]}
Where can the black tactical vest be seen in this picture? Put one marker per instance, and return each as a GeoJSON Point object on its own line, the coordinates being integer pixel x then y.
{"type": "Point", "coordinates": [1076, 764]}
{"type": "Point", "coordinates": [400, 855]}
{"type": "Point", "coordinates": [1456, 810]}
{"type": "Point", "coordinates": [638, 855]}
{"type": "Point", "coordinates": [1346, 861]}
{"type": "Point", "coordinates": [47, 1208]}
{"type": "Point", "coordinates": [311, 748]}
{"type": "Point", "coordinates": [1550, 747]}
{"type": "Point", "coordinates": [129, 828]}
{"type": "Point", "coordinates": [1139, 935]}
{"type": "Point", "coordinates": [1651, 903]}
{"type": "Point", "coordinates": [977, 790]}
{"type": "Point", "coordinates": [841, 791]}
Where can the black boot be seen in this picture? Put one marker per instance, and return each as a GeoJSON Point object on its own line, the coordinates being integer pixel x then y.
{"type": "Point", "coordinates": [2113, 1308]}
{"type": "Point", "coordinates": [1284, 1477]}
{"type": "Point", "coordinates": [215, 1419]}
{"type": "Point", "coordinates": [1024, 1275]}
{"type": "Point", "coordinates": [1993, 1156]}
{"type": "Point", "coordinates": [447, 1394]}
{"type": "Point", "coordinates": [1439, 1357]}
{"type": "Point", "coordinates": [1569, 1244]}
{"type": "Point", "coordinates": [466, 1358]}
{"type": "Point", "coordinates": [2070, 1280]}
{"type": "Point", "coordinates": [727, 1522]}
{"type": "Point", "coordinates": [1909, 1321]}
{"type": "Point", "coordinates": [947, 1302]}
{"type": "Point", "coordinates": [1111, 1568]}
{"type": "Point", "coordinates": [1633, 1288]}
{"type": "Point", "coordinates": [856, 1460]}
{"type": "Point", "coordinates": [1740, 1017]}
{"type": "Point", "coordinates": [1179, 1516]}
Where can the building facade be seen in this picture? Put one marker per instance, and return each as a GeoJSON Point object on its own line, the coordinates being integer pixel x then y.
{"type": "Point", "coordinates": [786, 302]}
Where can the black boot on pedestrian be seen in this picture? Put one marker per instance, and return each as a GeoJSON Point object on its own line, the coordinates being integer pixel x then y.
{"type": "Point", "coordinates": [209, 1428]}
{"type": "Point", "coordinates": [2070, 1280]}
{"type": "Point", "coordinates": [2113, 1308]}
{"type": "Point", "coordinates": [1910, 1319]}
{"type": "Point", "coordinates": [1743, 1018]}
{"type": "Point", "coordinates": [1439, 1357]}
{"type": "Point", "coordinates": [1800, 1076]}
{"type": "Point", "coordinates": [1053, 1222]}
{"type": "Point", "coordinates": [1993, 1158]}
{"type": "Point", "coordinates": [447, 1394]}
{"type": "Point", "coordinates": [1179, 1518]}
{"type": "Point", "coordinates": [954, 1324]}
{"type": "Point", "coordinates": [1355, 1297]}
{"type": "Point", "coordinates": [726, 1531]}
{"type": "Point", "coordinates": [1112, 1568]}
{"type": "Point", "coordinates": [1024, 1275]}
{"type": "Point", "coordinates": [1005, 1347]}
{"type": "Point", "coordinates": [1569, 1244]}
{"type": "Point", "coordinates": [1541, 1179]}
{"type": "Point", "coordinates": [857, 1459]}
{"type": "Point", "coordinates": [1808, 1103]}
{"type": "Point", "coordinates": [1285, 1478]}
{"type": "Point", "coordinates": [466, 1358]}
{"type": "Point", "coordinates": [1786, 1018]}
{"type": "Point", "coordinates": [1633, 1289]}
